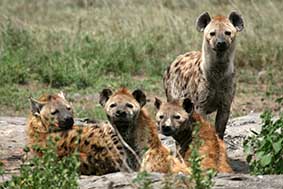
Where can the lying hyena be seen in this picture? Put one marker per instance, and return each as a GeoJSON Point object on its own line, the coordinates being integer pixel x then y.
{"type": "Point", "coordinates": [207, 77]}
{"type": "Point", "coordinates": [98, 145]}
{"type": "Point", "coordinates": [125, 112]}
{"type": "Point", "coordinates": [178, 119]}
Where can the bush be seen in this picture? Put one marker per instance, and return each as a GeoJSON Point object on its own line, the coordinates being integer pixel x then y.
{"type": "Point", "coordinates": [46, 171]}
{"type": "Point", "coordinates": [264, 150]}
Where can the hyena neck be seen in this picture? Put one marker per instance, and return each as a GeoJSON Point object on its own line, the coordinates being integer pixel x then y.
{"type": "Point", "coordinates": [217, 66]}
{"type": "Point", "coordinates": [127, 135]}
{"type": "Point", "coordinates": [38, 125]}
{"type": "Point", "coordinates": [184, 138]}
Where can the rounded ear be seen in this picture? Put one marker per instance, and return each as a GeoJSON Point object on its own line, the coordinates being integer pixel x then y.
{"type": "Point", "coordinates": [140, 97]}
{"type": "Point", "coordinates": [157, 103]}
{"type": "Point", "coordinates": [237, 20]}
{"type": "Point", "coordinates": [202, 21]}
{"type": "Point", "coordinates": [104, 96]}
{"type": "Point", "coordinates": [35, 106]}
{"type": "Point", "coordinates": [188, 105]}
{"type": "Point", "coordinates": [62, 95]}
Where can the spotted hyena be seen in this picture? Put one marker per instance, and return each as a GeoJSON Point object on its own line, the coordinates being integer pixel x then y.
{"type": "Point", "coordinates": [98, 145]}
{"type": "Point", "coordinates": [125, 111]}
{"type": "Point", "coordinates": [208, 77]}
{"type": "Point", "coordinates": [178, 119]}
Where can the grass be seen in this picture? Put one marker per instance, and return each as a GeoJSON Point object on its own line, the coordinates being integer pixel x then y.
{"type": "Point", "coordinates": [82, 46]}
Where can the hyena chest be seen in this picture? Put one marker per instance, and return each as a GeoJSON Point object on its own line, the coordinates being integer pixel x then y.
{"type": "Point", "coordinates": [210, 95]}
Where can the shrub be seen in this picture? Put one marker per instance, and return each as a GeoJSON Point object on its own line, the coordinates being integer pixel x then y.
{"type": "Point", "coordinates": [264, 150]}
{"type": "Point", "coordinates": [46, 171]}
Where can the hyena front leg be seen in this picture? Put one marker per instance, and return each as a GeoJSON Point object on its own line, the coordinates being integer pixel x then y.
{"type": "Point", "coordinates": [222, 117]}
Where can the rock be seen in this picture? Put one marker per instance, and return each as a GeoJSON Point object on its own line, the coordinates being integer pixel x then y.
{"type": "Point", "coordinates": [12, 140]}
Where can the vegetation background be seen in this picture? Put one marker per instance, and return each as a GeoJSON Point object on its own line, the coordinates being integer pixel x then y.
{"type": "Point", "coordinates": [82, 46]}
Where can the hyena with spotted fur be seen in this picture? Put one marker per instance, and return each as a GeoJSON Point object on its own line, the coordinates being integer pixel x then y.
{"type": "Point", "coordinates": [208, 77]}
{"type": "Point", "coordinates": [125, 111]}
{"type": "Point", "coordinates": [99, 147]}
{"type": "Point", "coordinates": [178, 119]}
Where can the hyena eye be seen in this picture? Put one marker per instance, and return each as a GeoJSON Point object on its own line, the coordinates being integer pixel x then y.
{"type": "Point", "coordinates": [129, 105]}
{"type": "Point", "coordinates": [113, 105]}
{"type": "Point", "coordinates": [177, 117]}
{"type": "Point", "coordinates": [69, 108]}
{"type": "Point", "coordinates": [161, 116]}
{"type": "Point", "coordinates": [212, 33]}
{"type": "Point", "coordinates": [227, 33]}
{"type": "Point", "coordinates": [54, 112]}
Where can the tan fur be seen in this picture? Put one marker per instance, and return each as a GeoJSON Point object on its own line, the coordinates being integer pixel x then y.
{"type": "Point", "coordinates": [100, 149]}
{"type": "Point", "coordinates": [212, 150]}
{"type": "Point", "coordinates": [141, 134]}
{"type": "Point", "coordinates": [207, 77]}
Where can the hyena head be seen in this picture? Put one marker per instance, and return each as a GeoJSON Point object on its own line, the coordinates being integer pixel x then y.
{"type": "Point", "coordinates": [122, 108]}
{"type": "Point", "coordinates": [220, 31]}
{"type": "Point", "coordinates": [53, 110]}
{"type": "Point", "coordinates": [173, 117]}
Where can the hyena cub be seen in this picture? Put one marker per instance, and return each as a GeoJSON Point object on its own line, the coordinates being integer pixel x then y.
{"type": "Point", "coordinates": [125, 112]}
{"type": "Point", "coordinates": [178, 119]}
{"type": "Point", "coordinates": [207, 77]}
{"type": "Point", "coordinates": [98, 145]}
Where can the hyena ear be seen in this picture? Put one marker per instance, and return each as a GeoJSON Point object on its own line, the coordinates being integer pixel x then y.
{"type": "Point", "coordinates": [35, 106]}
{"type": "Point", "coordinates": [62, 95]}
{"type": "Point", "coordinates": [157, 103]}
{"type": "Point", "coordinates": [237, 20]}
{"type": "Point", "coordinates": [202, 21]}
{"type": "Point", "coordinates": [104, 96]}
{"type": "Point", "coordinates": [140, 97]}
{"type": "Point", "coordinates": [188, 105]}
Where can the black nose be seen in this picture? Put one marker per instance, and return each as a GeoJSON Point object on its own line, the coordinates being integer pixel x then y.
{"type": "Point", "coordinates": [166, 130]}
{"type": "Point", "coordinates": [120, 114]}
{"type": "Point", "coordinates": [67, 123]}
{"type": "Point", "coordinates": [221, 45]}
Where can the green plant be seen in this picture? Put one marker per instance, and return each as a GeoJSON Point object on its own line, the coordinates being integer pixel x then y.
{"type": "Point", "coordinates": [47, 171]}
{"type": "Point", "coordinates": [201, 179]}
{"type": "Point", "coordinates": [264, 150]}
{"type": "Point", "coordinates": [143, 180]}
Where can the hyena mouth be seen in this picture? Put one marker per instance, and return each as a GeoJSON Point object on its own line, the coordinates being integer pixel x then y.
{"type": "Point", "coordinates": [167, 131]}
{"type": "Point", "coordinates": [122, 126]}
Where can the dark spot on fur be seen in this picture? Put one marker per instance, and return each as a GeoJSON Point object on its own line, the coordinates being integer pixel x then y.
{"type": "Point", "coordinates": [64, 134]}
{"type": "Point", "coordinates": [73, 139]}
{"type": "Point", "coordinates": [168, 71]}
{"type": "Point", "coordinates": [86, 142]}
{"type": "Point", "coordinates": [90, 159]}
{"type": "Point", "coordinates": [177, 70]}
{"type": "Point", "coordinates": [63, 145]}
{"type": "Point", "coordinates": [119, 147]}
{"type": "Point", "coordinates": [84, 166]}
{"type": "Point", "coordinates": [115, 141]}
{"type": "Point", "coordinates": [91, 134]}
{"type": "Point", "coordinates": [177, 64]}
{"type": "Point", "coordinates": [96, 148]}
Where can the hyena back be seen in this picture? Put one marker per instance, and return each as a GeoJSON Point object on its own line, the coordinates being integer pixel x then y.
{"type": "Point", "coordinates": [207, 77]}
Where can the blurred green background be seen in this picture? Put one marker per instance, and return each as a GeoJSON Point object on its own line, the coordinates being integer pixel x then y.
{"type": "Point", "coordinates": [82, 46]}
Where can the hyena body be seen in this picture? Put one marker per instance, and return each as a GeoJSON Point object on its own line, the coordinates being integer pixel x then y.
{"type": "Point", "coordinates": [178, 120]}
{"type": "Point", "coordinates": [125, 111]}
{"type": "Point", "coordinates": [99, 148]}
{"type": "Point", "coordinates": [207, 77]}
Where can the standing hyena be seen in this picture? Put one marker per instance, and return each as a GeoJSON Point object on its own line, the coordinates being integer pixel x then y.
{"type": "Point", "coordinates": [207, 77]}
